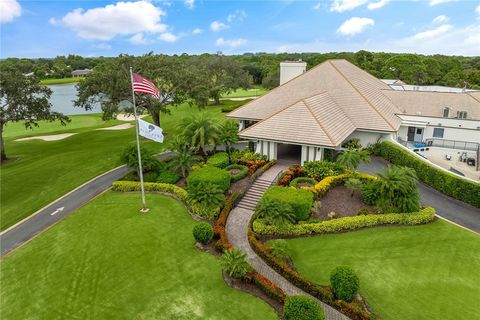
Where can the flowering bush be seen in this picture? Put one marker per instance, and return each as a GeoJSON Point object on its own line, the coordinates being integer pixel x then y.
{"type": "Point", "coordinates": [293, 172]}
{"type": "Point", "coordinates": [321, 169]}
{"type": "Point", "coordinates": [266, 286]}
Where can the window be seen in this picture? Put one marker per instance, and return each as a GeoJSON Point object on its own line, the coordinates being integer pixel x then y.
{"type": "Point", "coordinates": [419, 130]}
{"type": "Point", "coordinates": [445, 112]}
{"type": "Point", "coordinates": [438, 132]}
{"type": "Point", "coordinates": [462, 114]}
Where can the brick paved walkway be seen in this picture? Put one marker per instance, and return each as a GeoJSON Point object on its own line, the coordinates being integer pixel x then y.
{"type": "Point", "coordinates": [237, 224]}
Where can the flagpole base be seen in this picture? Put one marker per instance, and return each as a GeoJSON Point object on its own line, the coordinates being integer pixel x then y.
{"type": "Point", "coordinates": [144, 210]}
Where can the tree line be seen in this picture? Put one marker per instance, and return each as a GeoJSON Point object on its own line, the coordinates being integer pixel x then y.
{"type": "Point", "coordinates": [263, 68]}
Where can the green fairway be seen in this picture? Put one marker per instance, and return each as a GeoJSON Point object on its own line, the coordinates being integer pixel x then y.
{"type": "Point", "coordinates": [240, 93]}
{"type": "Point", "coordinates": [59, 81]}
{"type": "Point", "coordinates": [46, 170]}
{"type": "Point", "coordinates": [108, 261]}
{"type": "Point", "coordinates": [423, 272]}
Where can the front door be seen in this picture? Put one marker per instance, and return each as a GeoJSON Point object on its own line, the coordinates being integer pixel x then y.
{"type": "Point", "coordinates": [418, 135]}
{"type": "Point", "coordinates": [411, 134]}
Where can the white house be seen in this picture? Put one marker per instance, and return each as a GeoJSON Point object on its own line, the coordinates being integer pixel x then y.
{"type": "Point", "coordinates": [337, 101]}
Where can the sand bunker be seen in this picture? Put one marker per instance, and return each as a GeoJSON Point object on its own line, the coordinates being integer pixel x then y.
{"type": "Point", "coordinates": [53, 137]}
{"type": "Point", "coordinates": [118, 127]}
{"type": "Point", "coordinates": [130, 117]}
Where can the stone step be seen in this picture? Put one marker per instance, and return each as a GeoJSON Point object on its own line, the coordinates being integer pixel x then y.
{"type": "Point", "coordinates": [251, 201]}
{"type": "Point", "coordinates": [260, 183]}
{"type": "Point", "coordinates": [257, 189]}
{"type": "Point", "coordinates": [253, 195]}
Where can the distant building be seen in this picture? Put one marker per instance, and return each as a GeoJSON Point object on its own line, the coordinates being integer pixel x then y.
{"type": "Point", "coordinates": [80, 73]}
{"type": "Point", "coordinates": [336, 101]}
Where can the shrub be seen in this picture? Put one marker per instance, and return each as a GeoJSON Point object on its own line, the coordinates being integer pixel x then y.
{"type": "Point", "coordinates": [129, 156]}
{"type": "Point", "coordinates": [397, 190]}
{"type": "Point", "coordinates": [351, 159]}
{"type": "Point", "coordinates": [128, 186]}
{"type": "Point", "coordinates": [211, 175]}
{"type": "Point", "coordinates": [207, 194]}
{"type": "Point", "coordinates": [302, 308]}
{"type": "Point", "coordinates": [363, 212]}
{"type": "Point", "coordinates": [425, 215]}
{"type": "Point", "coordinates": [289, 174]}
{"type": "Point", "coordinates": [274, 211]}
{"type": "Point", "coordinates": [150, 176]}
{"type": "Point", "coordinates": [321, 169]}
{"type": "Point", "coordinates": [240, 175]}
{"type": "Point", "coordinates": [279, 248]}
{"type": "Point", "coordinates": [345, 283]}
{"type": "Point", "coordinates": [234, 263]}
{"type": "Point", "coordinates": [353, 143]}
{"type": "Point", "coordinates": [203, 210]}
{"type": "Point", "coordinates": [246, 155]}
{"type": "Point", "coordinates": [301, 180]}
{"type": "Point", "coordinates": [168, 177]}
{"type": "Point", "coordinates": [299, 200]}
{"type": "Point", "coordinates": [219, 160]}
{"type": "Point", "coordinates": [370, 193]}
{"type": "Point", "coordinates": [450, 184]}
{"type": "Point", "coordinates": [266, 286]}
{"type": "Point", "coordinates": [203, 232]}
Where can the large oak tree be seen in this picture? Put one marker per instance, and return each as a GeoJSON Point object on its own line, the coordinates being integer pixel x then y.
{"type": "Point", "coordinates": [23, 99]}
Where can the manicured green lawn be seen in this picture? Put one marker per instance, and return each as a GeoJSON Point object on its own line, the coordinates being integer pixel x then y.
{"type": "Point", "coordinates": [108, 261]}
{"type": "Point", "coordinates": [423, 272]}
{"type": "Point", "coordinates": [46, 170]}
{"type": "Point", "coordinates": [59, 81]}
{"type": "Point", "coordinates": [240, 93]}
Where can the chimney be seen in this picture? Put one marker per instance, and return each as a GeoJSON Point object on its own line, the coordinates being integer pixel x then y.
{"type": "Point", "coordinates": [291, 69]}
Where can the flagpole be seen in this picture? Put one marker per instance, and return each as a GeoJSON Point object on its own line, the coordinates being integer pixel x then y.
{"type": "Point", "coordinates": [140, 169]}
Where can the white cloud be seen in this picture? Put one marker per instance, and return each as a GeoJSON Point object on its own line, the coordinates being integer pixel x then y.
{"type": "Point", "coordinates": [233, 43]}
{"type": "Point", "coordinates": [53, 21]}
{"type": "Point", "coordinates": [318, 6]}
{"type": "Point", "coordinates": [432, 33]}
{"type": "Point", "coordinates": [102, 46]}
{"type": "Point", "coordinates": [436, 2]}
{"type": "Point", "coordinates": [377, 5]}
{"type": "Point", "coordinates": [238, 15]}
{"type": "Point", "coordinates": [440, 19]}
{"type": "Point", "coordinates": [478, 10]}
{"type": "Point", "coordinates": [197, 31]}
{"type": "Point", "coordinates": [138, 39]}
{"type": "Point", "coordinates": [168, 37]}
{"type": "Point", "coordinates": [9, 10]}
{"type": "Point", "coordinates": [190, 4]}
{"type": "Point", "coordinates": [346, 5]}
{"type": "Point", "coordinates": [217, 26]}
{"type": "Point", "coordinates": [121, 18]}
{"type": "Point", "coordinates": [355, 25]}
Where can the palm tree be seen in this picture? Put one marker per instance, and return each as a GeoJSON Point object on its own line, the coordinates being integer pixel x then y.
{"type": "Point", "coordinates": [234, 263]}
{"type": "Point", "coordinates": [351, 159]}
{"type": "Point", "coordinates": [200, 131]}
{"type": "Point", "coordinates": [208, 194]}
{"type": "Point", "coordinates": [274, 212]}
{"type": "Point", "coordinates": [228, 134]}
{"type": "Point", "coordinates": [184, 161]}
{"type": "Point", "coordinates": [397, 188]}
{"type": "Point", "coordinates": [353, 184]}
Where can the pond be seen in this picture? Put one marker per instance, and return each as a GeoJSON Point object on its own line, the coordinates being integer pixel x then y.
{"type": "Point", "coordinates": [62, 99]}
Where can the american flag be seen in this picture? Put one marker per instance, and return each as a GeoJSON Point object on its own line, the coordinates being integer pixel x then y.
{"type": "Point", "coordinates": [143, 85]}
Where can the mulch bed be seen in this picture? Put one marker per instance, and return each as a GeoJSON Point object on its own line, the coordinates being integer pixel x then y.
{"type": "Point", "coordinates": [255, 291]}
{"type": "Point", "coordinates": [341, 201]}
{"type": "Point", "coordinates": [210, 248]}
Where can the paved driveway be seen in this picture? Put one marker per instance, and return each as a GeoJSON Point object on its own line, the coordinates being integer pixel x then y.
{"type": "Point", "coordinates": [445, 206]}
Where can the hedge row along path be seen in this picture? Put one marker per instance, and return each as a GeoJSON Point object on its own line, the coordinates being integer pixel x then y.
{"type": "Point", "coordinates": [446, 207]}
{"type": "Point", "coordinates": [237, 228]}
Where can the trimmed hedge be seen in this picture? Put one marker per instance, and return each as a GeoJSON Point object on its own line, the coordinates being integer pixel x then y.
{"type": "Point", "coordinates": [202, 232]}
{"type": "Point", "coordinates": [328, 183]}
{"type": "Point", "coordinates": [345, 283]}
{"type": "Point", "coordinates": [219, 160]}
{"type": "Point", "coordinates": [298, 180]}
{"type": "Point", "coordinates": [302, 308]}
{"type": "Point", "coordinates": [425, 215]}
{"type": "Point", "coordinates": [299, 200]}
{"type": "Point", "coordinates": [240, 175]}
{"type": "Point", "coordinates": [210, 174]}
{"type": "Point", "coordinates": [266, 286]}
{"type": "Point", "coordinates": [128, 186]}
{"type": "Point", "coordinates": [449, 184]}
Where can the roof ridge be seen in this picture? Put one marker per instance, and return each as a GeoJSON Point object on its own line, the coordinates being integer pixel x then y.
{"type": "Point", "coordinates": [470, 95]}
{"type": "Point", "coordinates": [318, 122]}
{"type": "Point", "coordinates": [364, 98]}
{"type": "Point", "coordinates": [268, 92]}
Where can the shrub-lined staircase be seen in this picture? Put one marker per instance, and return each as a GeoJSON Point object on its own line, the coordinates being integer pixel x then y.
{"type": "Point", "coordinates": [253, 195]}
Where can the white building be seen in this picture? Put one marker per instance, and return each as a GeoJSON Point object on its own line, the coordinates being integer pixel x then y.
{"type": "Point", "coordinates": [337, 101]}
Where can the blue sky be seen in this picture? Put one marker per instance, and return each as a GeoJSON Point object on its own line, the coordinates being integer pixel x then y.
{"type": "Point", "coordinates": [92, 28]}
